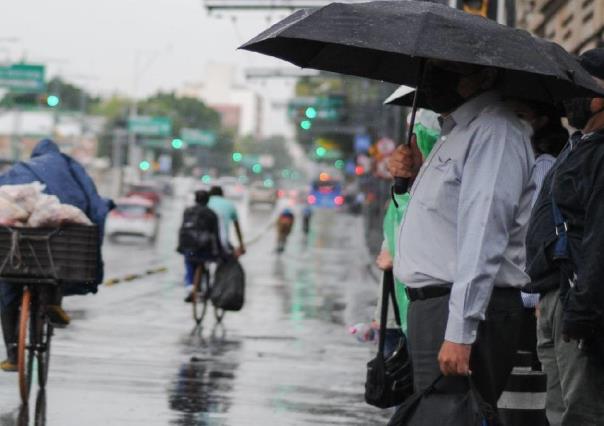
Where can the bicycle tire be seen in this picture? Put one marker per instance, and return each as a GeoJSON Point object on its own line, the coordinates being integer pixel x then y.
{"type": "Point", "coordinates": [44, 333]}
{"type": "Point", "coordinates": [199, 294]}
{"type": "Point", "coordinates": [26, 344]}
{"type": "Point", "coordinates": [219, 315]}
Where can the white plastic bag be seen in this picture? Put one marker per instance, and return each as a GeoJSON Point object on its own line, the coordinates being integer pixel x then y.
{"type": "Point", "coordinates": [49, 212]}
{"type": "Point", "coordinates": [26, 195]}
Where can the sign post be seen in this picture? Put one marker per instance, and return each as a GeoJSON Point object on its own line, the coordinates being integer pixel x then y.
{"type": "Point", "coordinates": [150, 126]}
{"type": "Point", "coordinates": [198, 137]}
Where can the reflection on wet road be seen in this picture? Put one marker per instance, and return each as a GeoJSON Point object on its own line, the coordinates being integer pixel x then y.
{"type": "Point", "coordinates": [129, 357]}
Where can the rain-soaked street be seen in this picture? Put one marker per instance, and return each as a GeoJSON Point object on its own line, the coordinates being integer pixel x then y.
{"type": "Point", "coordinates": [129, 357]}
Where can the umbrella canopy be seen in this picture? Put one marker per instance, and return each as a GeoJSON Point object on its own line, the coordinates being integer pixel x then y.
{"type": "Point", "coordinates": [386, 40]}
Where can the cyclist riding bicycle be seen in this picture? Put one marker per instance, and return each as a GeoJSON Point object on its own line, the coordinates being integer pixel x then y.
{"type": "Point", "coordinates": [199, 238]}
{"type": "Point", "coordinates": [68, 180]}
{"type": "Point", "coordinates": [227, 213]}
{"type": "Point", "coordinates": [285, 222]}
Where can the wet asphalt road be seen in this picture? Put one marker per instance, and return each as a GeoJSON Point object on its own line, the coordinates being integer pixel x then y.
{"type": "Point", "coordinates": [129, 357]}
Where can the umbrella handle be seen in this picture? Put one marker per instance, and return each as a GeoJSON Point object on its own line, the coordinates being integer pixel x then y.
{"type": "Point", "coordinates": [401, 185]}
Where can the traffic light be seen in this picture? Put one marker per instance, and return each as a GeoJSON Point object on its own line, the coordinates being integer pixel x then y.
{"type": "Point", "coordinates": [320, 151]}
{"type": "Point", "coordinates": [237, 157]}
{"type": "Point", "coordinates": [305, 124]}
{"type": "Point", "coordinates": [311, 112]}
{"type": "Point", "coordinates": [144, 165]}
{"type": "Point", "coordinates": [257, 168]}
{"type": "Point", "coordinates": [53, 101]}
{"type": "Point", "coordinates": [339, 164]}
{"type": "Point", "coordinates": [177, 143]}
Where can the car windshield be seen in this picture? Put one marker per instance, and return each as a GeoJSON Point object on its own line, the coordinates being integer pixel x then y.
{"type": "Point", "coordinates": [132, 210]}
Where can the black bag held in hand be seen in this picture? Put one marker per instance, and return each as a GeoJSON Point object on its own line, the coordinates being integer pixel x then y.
{"type": "Point", "coordinates": [389, 381]}
{"type": "Point", "coordinates": [432, 407]}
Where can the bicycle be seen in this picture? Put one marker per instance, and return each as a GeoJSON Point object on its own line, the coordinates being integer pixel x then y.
{"type": "Point", "coordinates": [35, 336]}
{"type": "Point", "coordinates": [201, 294]}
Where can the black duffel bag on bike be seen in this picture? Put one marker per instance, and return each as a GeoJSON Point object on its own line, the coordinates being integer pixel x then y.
{"type": "Point", "coordinates": [389, 380]}
{"type": "Point", "coordinates": [228, 291]}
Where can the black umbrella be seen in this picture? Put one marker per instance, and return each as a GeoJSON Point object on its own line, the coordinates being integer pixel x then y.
{"type": "Point", "coordinates": [390, 41]}
{"type": "Point", "coordinates": [387, 40]}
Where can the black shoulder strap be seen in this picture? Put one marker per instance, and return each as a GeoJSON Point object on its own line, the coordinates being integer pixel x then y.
{"type": "Point", "coordinates": [387, 294]}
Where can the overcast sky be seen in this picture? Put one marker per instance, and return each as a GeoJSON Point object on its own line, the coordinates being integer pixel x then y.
{"type": "Point", "coordinates": [96, 43]}
{"type": "Point", "coordinates": [100, 39]}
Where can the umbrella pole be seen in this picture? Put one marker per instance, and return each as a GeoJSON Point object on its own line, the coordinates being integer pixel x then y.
{"type": "Point", "coordinates": [401, 185]}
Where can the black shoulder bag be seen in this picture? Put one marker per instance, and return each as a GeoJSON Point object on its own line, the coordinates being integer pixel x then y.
{"type": "Point", "coordinates": [389, 380]}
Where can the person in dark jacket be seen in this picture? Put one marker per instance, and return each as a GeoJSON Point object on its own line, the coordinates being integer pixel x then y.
{"type": "Point", "coordinates": [68, 180]}
{"type": "Point", "coordinates": [200, 225]}
{"type": "Point", "coordinates": [570, 325]}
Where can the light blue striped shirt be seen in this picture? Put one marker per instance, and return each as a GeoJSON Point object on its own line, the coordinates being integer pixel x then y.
{"type": "Point", "coordinates": [543, 164]}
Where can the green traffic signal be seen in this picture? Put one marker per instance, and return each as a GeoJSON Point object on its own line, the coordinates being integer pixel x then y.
{"type": "Point", "coordinates": [305, 124]}
{"type": "Point", "coordinates": [237, 157]}
{"type": "Point", "coordinates": [339, 164]}
{"type": "Point", "coordinates": [144, 165]}
{"type": "Point", "coordinates": [311, 112]}
{"type": "Point", "coordinates": [257, 168]}
{"type": "Point", "coordinates": [320, 151]}
{"type": "Point", "coordinates": [177, 143]}
{"type": "Point", "coordinates": [52, 101]}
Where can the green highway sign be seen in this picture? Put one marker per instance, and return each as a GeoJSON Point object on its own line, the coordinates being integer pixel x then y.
{"type": "Point", "coordinates": [23, 78]}
{"type": "Point", "coordinates": [155, 143]}
{"type": "Point", "coordinates": [150, 126]}
{"type": "Point", "coordinates": [198, 137]}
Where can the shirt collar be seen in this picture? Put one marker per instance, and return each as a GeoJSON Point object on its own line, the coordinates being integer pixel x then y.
{"type": "Point", "coordinates": [469, 110]}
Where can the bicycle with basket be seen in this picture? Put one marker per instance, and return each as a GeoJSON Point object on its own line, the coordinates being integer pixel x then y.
{"type": "Point", "coordinates": [36, 259]}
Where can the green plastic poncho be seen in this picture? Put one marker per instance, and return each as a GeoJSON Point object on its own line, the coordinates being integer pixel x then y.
{"type": "Point", "coordinates": [426, 138]}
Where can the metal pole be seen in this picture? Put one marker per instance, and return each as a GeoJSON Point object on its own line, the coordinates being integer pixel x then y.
{"type": "Point", "coordinates": [117, 162]}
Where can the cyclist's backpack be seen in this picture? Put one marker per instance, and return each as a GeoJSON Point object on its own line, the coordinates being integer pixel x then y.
{"type": "Point", "coordinates": [228, 291]}
{"type": "Point", "coordinates": [198, 232]}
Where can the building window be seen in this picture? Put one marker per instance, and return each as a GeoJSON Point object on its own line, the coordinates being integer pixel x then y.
{"type": "Point", "coordinates": [588, 17]}
{"type": "Point", "coordinates": [568, 20]}
{"type": "Point", "coordinates": [567, 35]}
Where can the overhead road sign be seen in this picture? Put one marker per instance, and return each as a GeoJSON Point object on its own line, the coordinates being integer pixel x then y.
{"type": "Point", "coordinates": [23, 78]}
{"type": "Point", "coordinates": [198, 137]}
{"type": "Point", "coordinates": [150, 126]}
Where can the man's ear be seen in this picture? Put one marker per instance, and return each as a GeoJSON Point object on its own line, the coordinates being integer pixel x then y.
{"type": "Point", "coordinates": [597, 105]}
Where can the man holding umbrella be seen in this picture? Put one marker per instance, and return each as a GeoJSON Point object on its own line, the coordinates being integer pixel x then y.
{"type": "Point", "coordinates": [461, 244]}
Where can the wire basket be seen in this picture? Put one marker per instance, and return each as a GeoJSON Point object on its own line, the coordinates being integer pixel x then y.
{"type": "Point", "coordinates": [68, 254]}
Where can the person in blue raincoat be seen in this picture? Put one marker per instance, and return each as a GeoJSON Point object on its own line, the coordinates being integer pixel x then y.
{"type": "Point", "coordinates": [67, 179]}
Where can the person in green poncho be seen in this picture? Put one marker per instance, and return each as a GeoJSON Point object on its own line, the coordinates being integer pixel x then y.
{"type": "Point", "coordinates": [426, 134]}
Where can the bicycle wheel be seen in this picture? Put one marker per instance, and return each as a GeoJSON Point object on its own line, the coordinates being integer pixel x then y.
{"type": "Point", "coordinates": [219, 314]}
{"type": "Point", "coordinates": [199, 294]}
{"type": "Point", "coordinates": [44, 331]}
{"type": "Point", "coordinates": [26, 344]}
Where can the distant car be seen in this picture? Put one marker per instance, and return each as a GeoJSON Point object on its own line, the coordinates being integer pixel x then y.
{"type": "Point", "coordinates": [259, 194]}
{"type": "Point", "coordinates": [325, 193]}
{"type": "Point", "coordinates": [135, 216]}
{"type": "Point", "coordinates": [231, 187]}
{"type": "Point", "coordinates": [149, 191]}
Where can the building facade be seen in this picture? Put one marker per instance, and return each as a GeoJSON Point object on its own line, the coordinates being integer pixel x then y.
{"type": "Point", "coordinates": [577, 25]}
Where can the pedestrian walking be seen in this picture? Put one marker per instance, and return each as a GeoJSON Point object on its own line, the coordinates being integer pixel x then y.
{"type": "Point", "coordinates": [565, 243]}
{"type": "Point", "coordinates": [461, 242]}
